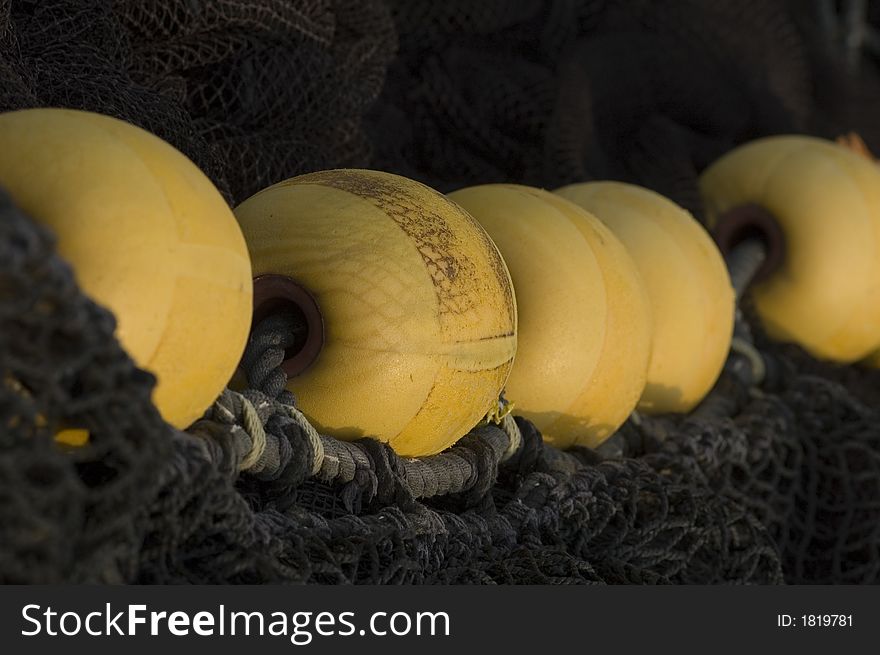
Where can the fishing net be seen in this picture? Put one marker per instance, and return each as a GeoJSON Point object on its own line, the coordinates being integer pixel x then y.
{"type": "Point", "coordinates": [782, 484]}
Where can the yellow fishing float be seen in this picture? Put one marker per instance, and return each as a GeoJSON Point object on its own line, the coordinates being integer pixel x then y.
{"type": "Point", "coordinates": [817, 205]}
{"type": "Point", "coordinates": [585, 323]}
{"type": "Point", "coordinates": [147, 236]}
{"type": "Point", "coordinates": [691, 297]}
{"type": "Point", "coordinates": [854, 143]}
{"type": "Point", "coordinates": [409, 307]}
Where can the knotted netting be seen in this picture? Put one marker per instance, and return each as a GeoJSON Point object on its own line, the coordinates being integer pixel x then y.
{"type": "Point", "coordinates": [782, 484]}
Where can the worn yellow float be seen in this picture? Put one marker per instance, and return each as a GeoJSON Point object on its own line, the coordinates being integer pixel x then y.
{"type": "Point", "coordinates": [854, 143]}
{"type": "Point", "coordinates": [412, 300]}
{"type": "Point", "coordinates": [824, 293]}
{"type": "Point", "coordinates": [585, 323]}
{"type": "Point", "coordinates": [691, 297]}
{"type": "Point", "coordinates": [148, 236]}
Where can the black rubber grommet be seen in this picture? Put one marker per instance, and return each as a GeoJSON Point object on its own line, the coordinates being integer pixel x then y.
{"type": "Point", "coordinates": [751, 221]}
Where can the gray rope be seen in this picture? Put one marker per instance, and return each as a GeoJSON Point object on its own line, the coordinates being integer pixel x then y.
{"type": "Point", "coordinates": [265, 352]}
{"type": "Point", "coordinates": [745, 368]}
{"type": "Point", "coordinates": [446, 472]}
{"type": "Point", "coordinates": [743, 263]}
{"type": "Point", "coordinates": [247, 414]}
{"type": "Point", "coordinates": [337, 461]}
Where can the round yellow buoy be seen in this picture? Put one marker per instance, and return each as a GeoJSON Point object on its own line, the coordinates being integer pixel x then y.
{"type": "Point", "coordinates": [692, 300]}
{"type": "Point", "coordinates": [147, 235]}
{"type": "Point", "coordinates": [585, 325]}
{"type": "Point", "coordinates": [413, 298]}
{"type": "Point", "coordinates": [825, 292]}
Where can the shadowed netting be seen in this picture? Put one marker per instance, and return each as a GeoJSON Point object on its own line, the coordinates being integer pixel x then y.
{"type": "Point", "coordinates": [782, 486]}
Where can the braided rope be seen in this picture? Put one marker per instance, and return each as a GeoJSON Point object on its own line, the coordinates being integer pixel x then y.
{"type": "Point", "coordinates": [332, 460]}
{"type": "Point", "coordinates": [337, 461]}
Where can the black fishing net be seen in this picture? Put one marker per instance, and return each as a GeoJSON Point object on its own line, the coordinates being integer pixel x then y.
{"type": "Point", "coordinates": [781, 486]}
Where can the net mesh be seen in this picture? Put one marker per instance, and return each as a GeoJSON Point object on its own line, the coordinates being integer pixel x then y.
{"type": "Point", "coordinates": [453, 93]}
